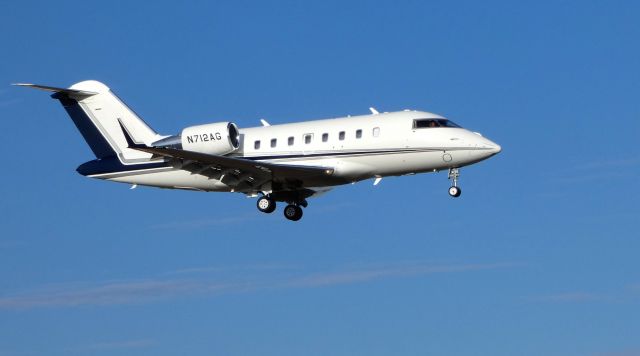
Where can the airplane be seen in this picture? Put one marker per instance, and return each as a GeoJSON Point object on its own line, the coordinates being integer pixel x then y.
{"type": "Point", "coordinates": [275, 163]}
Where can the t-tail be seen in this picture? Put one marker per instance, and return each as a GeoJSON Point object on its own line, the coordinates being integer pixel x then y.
{"type": "Point", "coordinates": [98, 114]}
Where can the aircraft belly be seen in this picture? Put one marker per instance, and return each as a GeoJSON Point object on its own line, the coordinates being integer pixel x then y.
{"type": "Point", "coordinates": [174, 179]}
{"type": "Point", "coordinates": [360, 167]}
{"type": "Point", "coordinates": [347, 169]}
{"type": "Point", "coordinates": [418, 162]}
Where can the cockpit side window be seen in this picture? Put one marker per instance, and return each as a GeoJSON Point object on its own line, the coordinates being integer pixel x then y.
{"type": "Point", "coordinates": [432, 123]}
{"type": "Point", "coordinates": [447, 123]}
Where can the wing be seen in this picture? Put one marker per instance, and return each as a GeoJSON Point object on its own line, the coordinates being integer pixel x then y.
{"type": "Point", "coordinates": [241, 174]}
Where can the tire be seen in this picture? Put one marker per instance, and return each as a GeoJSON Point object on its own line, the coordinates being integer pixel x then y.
{"type": "Point", "coordinates": [293, 212]}
{"type": "Point", "coordinates": [266, 205]}
{"type": "Point", "coordinates": [455, 191]}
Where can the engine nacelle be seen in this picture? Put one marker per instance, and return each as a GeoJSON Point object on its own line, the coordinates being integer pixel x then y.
{"type": "Point", "coordinates": [218, 138]}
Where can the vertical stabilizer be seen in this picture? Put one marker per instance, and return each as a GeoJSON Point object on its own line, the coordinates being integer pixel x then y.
{"type": "Point", "coordinates": [98, 113]}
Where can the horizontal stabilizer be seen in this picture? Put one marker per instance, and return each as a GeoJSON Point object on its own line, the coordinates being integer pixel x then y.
{"type": "Point", "coordinates": [57, 90]}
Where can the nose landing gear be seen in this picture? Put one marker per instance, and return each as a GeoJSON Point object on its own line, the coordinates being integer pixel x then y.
{"type": "Point", "coordinates": [454, 190]}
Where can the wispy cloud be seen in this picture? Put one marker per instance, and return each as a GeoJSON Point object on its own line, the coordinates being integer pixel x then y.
{"type": "Point", "coordinates": [627, 352]}
{"type": "Point", "coordinates": [333, 207]}
{"type": "Point", "coordinates": [600, 169]}
{"type": "Point", "coordinates": [609, 163]}
{"type": "Point", "coordinates": [570, 297]}
{"type": "Point", "coordinates": [123, 344]}
{"type": "Point", "coordinates": [205, 222]}
{"type": "Point", "coordinates": [9, 102]}
{"type": "Point", "coordinates": [228, 269]}
{"type": "Point", "coordinates": [630, 292]}
{"type": "Point", "coordinates": [6, 99]}
{"type": "Point", "coordinates": [5, 244]}
{"type": "Point", "coordinates": [634, 287]}
{"type": "Point", "coordinates": [372, 273]}
{"type": "Point", "coordinates": [605, 175]}
{"type": "Point", "coordinates": [157, 289]}
{"type": "Point", "coordinates": [111, 293]}
{"type": "Point", "coordinates": [111, 345]}
{"type": "Point", "coordinates": [238, 219]}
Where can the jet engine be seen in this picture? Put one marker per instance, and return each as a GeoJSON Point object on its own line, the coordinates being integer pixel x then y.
{"type": "Point", "coordinates": [219, 138]}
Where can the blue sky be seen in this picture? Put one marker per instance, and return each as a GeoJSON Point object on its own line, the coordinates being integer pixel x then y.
{"type": "Point", "coordinates": [538, 257]}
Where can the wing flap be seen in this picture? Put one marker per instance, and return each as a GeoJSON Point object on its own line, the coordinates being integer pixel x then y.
{"type": "Point", "coordinates": [255, 167]}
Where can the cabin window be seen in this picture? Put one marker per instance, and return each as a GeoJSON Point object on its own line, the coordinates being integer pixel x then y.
{"type": "Point", "coordinates": [290, 141]}
{"type": "Point", "coordinates": [308, 138]}
{"type": "Point", "coordinates": [325, 137]}
{"type": "Point", "coordinates": [256, 145]}
{"type": "Point", "coordinates": [376, 131]}
{"type": "Point", "coordinates": [432, 123]}
{"type": "Point", "coordinates": [341, 136]}
{"type": "Point", "coordinates": [358, 133]}
{"type": "Point", "coordinates": [274, 142]}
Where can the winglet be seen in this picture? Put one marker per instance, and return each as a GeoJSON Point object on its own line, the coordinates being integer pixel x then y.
{"type": "Point", "coordinates": [127, 136]}
{"type": "Point", "coordinates": [57, 90]}
{"type": "Point", "coordinates": [264, 122]}
{"type": "Point", "coordinates": [373, 111]}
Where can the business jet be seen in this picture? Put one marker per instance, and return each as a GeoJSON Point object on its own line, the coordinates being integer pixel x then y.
{"type": "Point", "coordinates": [274, 163]}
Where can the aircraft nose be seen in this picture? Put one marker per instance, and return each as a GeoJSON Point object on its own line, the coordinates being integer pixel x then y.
{"type": "Point", "coordinates": [481, 147]}
{"type": "Point", "coordinates": [489, 147]}
{"type": "Point", "coordinates": [495, 148]}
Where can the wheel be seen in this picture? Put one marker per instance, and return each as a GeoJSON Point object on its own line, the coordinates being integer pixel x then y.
{"type": "Point", "coordinates": [455, 191]}
{"type": "Point", "coordinates": [293, 212]}
{"type": "Point", "coordinates": [266, 205]}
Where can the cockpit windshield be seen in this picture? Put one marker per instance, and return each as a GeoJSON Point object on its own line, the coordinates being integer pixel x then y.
{"type": "Point", "coordinates": [431, 123]}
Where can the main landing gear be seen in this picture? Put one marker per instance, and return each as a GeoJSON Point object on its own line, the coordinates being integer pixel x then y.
{"type": "Point", "coordinates": [454, 190]}
{"type": "Point", "coordinates": [266, 204]}
{"type": "Point", "coordinates": [293, 211]}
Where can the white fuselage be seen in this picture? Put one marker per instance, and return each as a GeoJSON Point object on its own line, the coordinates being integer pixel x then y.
{"type": "Point", "coordinates": [280, 163]}
{"type": "Point", "coordinates": [357, 148]}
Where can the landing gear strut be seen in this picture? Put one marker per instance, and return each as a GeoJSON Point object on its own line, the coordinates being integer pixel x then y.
{"type": "Point", "coordinates": [454, 190]}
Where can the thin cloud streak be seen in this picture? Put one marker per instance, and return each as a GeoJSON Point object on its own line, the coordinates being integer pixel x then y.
{"type": "Point", "coordinates": [599, 170]}
{"type": "Point", "coordinates": [127, 344]}
{"type": "Point", "coordinates": [628, 352]}
{"type": "Point", "coordinates": [112, 293]}
{"type": "Point", "coordinates": [6, 244]}
{"type": "Point", "coordinates": [633, 287]}
{"type": "Point", "coordinates": [226, 269]}
{"type": "Point", "coordinates": [112, 345]}
{"type": "Point", "coordinates": [205, 222]}
{"type": "Point", "coordinates": [365, 275]}
{"type": "Point", "coordinates": [158, 289]}
{"type": "Point", "coordinates": [570, 297]}
{"type": "Point", "coordinates": [5, 103]}
{"type": "Point", "coordinates": [610, 163]}
{"type": "Point", "coordinates": [237, 219]}
{"type": "Point", "coordinates": [630, 293]}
